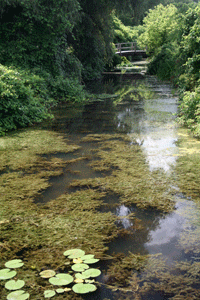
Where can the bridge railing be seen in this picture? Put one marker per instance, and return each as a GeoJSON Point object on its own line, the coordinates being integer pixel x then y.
{"type": "Point", "coordinates": [132, 46]}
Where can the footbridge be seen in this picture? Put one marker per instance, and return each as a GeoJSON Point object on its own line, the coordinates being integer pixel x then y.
{"type": "Point", "coordinates": [129, 49]}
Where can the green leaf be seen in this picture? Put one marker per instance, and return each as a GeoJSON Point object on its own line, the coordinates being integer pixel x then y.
{"type": "Point", "coordinates": [49, 293]}
{"type": "Point", "coordinates": [7, 274]}
{"type": "Point", "coordinates": [13, 264]}
{"type": "Point", "coordinates": [91, 261]}
{"type": "Point", "coordinates": [84, 288]}
{"type": "Point", "coordinates": [47, 273]}
{"type": "Point", "coordinates": [14, 284]}
{"type": "Point", "coordinates": [60, 291]}
{"type": "Point", "coordinates": [74, 253]}
{"type": "Point", "coordinates": [18, 295]}
{"type": "Point", "coordinates": [80, 267]}
{"type": "Point", "coordinates": [87, 256]}
{"type": "Point", "coordinates": [61, 279]}
{"type": "Point", "coordinates": [91, 273]}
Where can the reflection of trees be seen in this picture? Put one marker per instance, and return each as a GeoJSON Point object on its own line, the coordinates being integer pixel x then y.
{"type": "Point", "coordinates": [118, 114]}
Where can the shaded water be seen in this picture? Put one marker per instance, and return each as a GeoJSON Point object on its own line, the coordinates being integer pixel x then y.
{"type": "Point", "coordinates": [146, 113]}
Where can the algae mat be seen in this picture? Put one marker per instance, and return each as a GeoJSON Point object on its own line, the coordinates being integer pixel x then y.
{"type": "Point", "coordinates": [39, 234]}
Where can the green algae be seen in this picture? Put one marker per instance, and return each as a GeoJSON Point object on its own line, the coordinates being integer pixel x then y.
{"type": "Point", "coordinates": [142, 276]}
{"type": "Point", "coordinates": [41, 233]}
{"type": "Point", "coordinates": [130, 176]}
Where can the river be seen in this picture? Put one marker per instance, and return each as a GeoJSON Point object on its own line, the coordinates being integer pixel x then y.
{"type": "Point", "coordinates": [167, 241]}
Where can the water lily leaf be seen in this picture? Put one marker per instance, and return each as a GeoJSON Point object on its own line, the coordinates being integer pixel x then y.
{"type": "Point", "coordinates": [89, 281]}
{"type": "Point", "coordinates": [91, 261]}
{"type": "Point", "coordinates": [13, 264]}
{"type": "Point", "coordinates": [79, 275]}
{"type": "Point", "coordinates": [83, 288]}
{"type": "Point", "coordinates": [74, 253]}
{"type": "Point", "coordinates": [14, 284]}
{"type": "Point", "coordinates": [80, 267]}
{"type": "Point", "coordinates": [61, 279]}
{"type": "Point", "coordinates": [67, 289]}
{"type": "Point", "coordinates": [47, 273]}
{"type": "Point", "coordinates": [87, 256]}
{"type": "Point", "coordinates": [60, 291]}
{"type": "Point", "coordinates": [7, 274]}
{"type": "Point", "coordinates": [18, 295]}
{"type": "Point", "coordinates": [91, 273]}
{"type": "Point", "coordinates": [78, 280]}
{"type": "Point", "coordinates": [77, 260]}
{"type": "Point", "coordinates": [49, 293]}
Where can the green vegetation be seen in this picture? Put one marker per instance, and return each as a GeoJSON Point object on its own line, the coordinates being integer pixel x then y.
{"type": "Point", "coordinates": [171, 34]}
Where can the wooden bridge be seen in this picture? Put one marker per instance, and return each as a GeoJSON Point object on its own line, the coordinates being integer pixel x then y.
{"type": "Point", "coordinates": [129, 49]}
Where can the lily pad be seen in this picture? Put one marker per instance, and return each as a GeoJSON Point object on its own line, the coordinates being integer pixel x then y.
{"type": "Point", "coordinates": [61, 279]}
{"type": "Point", "coordinates": [18, 295]}
{"type": "Point", "coordinates": [13, 264]}
{"type": "Point", "coordinates": [14, 284]}
{"type": "Point", "coordinates": [87, 256]}
{"type": "Point", "coordinates": [74, 253]}
{"type": "Point", "coordinates": [91, 273]}
{"type": "Point", "coordinates": [80, 267]}
{"type": "Point", "coordinates": [49, 293]}
{"type": "Point", "coordinates": [78, 280]}
{"type": "Point", "coordinates": [91, 261]}
{"type": "Point", "coordinates": [7, 274]}
{"type": "Point", "coordinates": [67, 289]}
{"type": "Point", "coordinates": [84, 288]}
{"type": "Point", "coordinates": [60, 291]}
{"type": "Point", "coordinates": [79, 276]}
{"type": "Point", "coordinates": [47, 273]}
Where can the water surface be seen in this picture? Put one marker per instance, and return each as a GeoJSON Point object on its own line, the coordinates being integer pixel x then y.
{"type": "Point", "coordinates": [145, 110]}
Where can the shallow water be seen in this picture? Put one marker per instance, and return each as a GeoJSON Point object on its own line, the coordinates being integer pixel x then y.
{"type": "Point", "coordinates": [147, 115]}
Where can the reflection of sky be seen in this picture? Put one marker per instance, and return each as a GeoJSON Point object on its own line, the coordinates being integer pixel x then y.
{"type": "Point", "coordinates": [151, 122]}
{"type": "Point", "coordinates": [123, 211]}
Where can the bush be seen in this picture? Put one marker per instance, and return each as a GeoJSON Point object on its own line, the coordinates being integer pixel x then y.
{"type": "Point", "coordinates": [24, 99]}
{"type": "Point", "coordinates": [190, 111]}
{"type": "Point", "coordinates": [163, 64]}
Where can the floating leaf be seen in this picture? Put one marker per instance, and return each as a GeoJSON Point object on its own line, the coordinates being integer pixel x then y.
{"type": "Point", "coordinates": [18, 295]}
{"type": "Point", "coordinates": [13, 264]}
{"type": "Point", "coordinates": [87, 256]}
{"type": "Point", "coordinates": [79, 275]}
{"type": "Point", "coordinates": [61, 279]}
{"type": "Point", "coordinates": [80, 267]}
{"type": "Point", "coordinates": [47, 273]}
{"type": "Point", "coordinates": [60, 291]}
{"type": "Point", "coordinates": [89, 281]}
{"type": "Point", "coordinates": [91, 261]}
{"type": "Point", "coordinates": [74, 253]}
{"type": "Point", "coordinates": [83, 288]}
{"type": "Point", "coordinates": [49, 293]}
{"type": "Point", "coordinates": [78, 280]}
{"type": "Point", "coordinates": [14, 284]}
{"type": "Point", "coordinates": [7, 274]}
{"type": "Point", "coordinates": [77, 260]}
{"type": "Point", "coordinates": [67, 289]}
{"type": "Point", "coordinates": [91, 273]}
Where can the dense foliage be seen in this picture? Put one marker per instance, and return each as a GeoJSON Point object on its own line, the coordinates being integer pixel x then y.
{"type": "Point", "coordinates": [172, 36]}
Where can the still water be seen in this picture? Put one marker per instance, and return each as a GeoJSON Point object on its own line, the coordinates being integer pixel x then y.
{"type": "Point", "coordinates": [144, 110]}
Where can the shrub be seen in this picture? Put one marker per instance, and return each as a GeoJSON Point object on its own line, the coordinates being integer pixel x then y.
{"type": "Point", "coordinates": [24, 99]}
{"type": "Point", "coordinates": [190, 110]}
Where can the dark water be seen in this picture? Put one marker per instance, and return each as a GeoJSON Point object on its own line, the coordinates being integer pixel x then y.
{"type": "Point", "coordinates": [146, 113]}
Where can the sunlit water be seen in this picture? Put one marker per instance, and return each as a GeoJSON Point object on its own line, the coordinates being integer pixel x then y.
{"type": "Point", "coordinates": [151, 122]}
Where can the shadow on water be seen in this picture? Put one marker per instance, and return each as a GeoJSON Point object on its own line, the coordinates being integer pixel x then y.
{"type": "Point", "coordinates": [145, 111]}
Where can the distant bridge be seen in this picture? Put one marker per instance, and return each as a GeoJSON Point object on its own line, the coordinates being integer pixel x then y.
{"type": "Point", "coordinates": [129, 49]}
